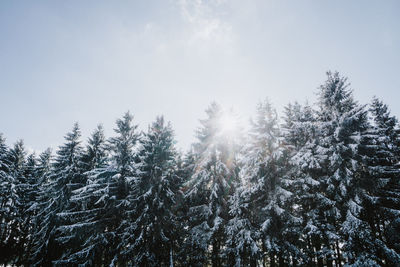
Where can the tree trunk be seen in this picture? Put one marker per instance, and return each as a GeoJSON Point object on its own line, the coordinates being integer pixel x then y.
{"type": "Point", "coordinates": [281, 260]}
{"type": "Point", "coordinates": [215, 255]}
{"type": "Point", "coordinates": [320, 260]}
{"type": "Point", "coordinates": [294, 261]}
{"type": "Point", "coordinates": [253, 262]}
{"type": "Point", "coordinates": [272, 259]}
{"type": "Point", "coordinates": [339, 258]}
{"type": "Point", "coordinates": [329, 262]}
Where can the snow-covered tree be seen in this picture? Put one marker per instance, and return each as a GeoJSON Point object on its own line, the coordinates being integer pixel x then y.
{"type": "Point", "coordinates": [28, 193]}
{"type": "Point", "coordinates": [150, 234]}
{"type": "Point", "coordinates": [242, 230]}
{"type": "Point", "coordinates": [95, 155]}
{"type": "Point", "coordinates": [5, 202]}
{"type": "Point", "coordinates": [41, 173]}
{"type": "Point", "coordinates": [78, 220]}
{"type": "Point", "coordinates": [265, 172]}
{"type": "Point", "coordinates": [300, 136]}
{"type": "Point", "coordinates": [103, 198]}
{"type": "Point", "coordinates": [11, 166]}
{"type": "Point", "coordinates": [340, 120]}
{"type": "Point", "coordinates": [65, 176]}
{"type": "Point", "coordinates": [378, 191]}
{"type": "Point", "coordinates": [211, 185]}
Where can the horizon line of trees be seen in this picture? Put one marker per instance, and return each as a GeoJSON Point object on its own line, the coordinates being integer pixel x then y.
{"type": "Point", "coordinates": [318, 186]}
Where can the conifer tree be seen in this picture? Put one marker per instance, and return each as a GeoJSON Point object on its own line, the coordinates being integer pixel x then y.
{"type": "Point", "coordinates": [300, 136]}
{"type": "Point", "coordinates": [265, 169]}
{"type": "Point", "coordinates": [95, 155]}
{"type": "Point", "coordinates": [40, 222]}
{"type": "Point", "coordinates": [79, 224]}
{"type": "Point", "coordinates": [341, 120]}
{"type": "Point", "coordinates": [211, 185]}
{"type": "Point", "coordinates": [66, 175]}
{"type": "Point", "coordinates": [378, 188]}
{"type": "Point", "coordinates": [104, 196]}
{"type": "Point", "coordinates": [242, 231]}
{"type": "Point", "coordinates": [13, 161]}
{"type": "Point", "coordinates": [6, 183]}
{"type": "Point", "coordinates": [150, 239]}
{"type": "Point", "coordinates": [28, 194]}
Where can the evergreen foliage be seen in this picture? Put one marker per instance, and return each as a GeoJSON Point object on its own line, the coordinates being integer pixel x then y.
{"type": "Point", "coordinates": [318, 187]}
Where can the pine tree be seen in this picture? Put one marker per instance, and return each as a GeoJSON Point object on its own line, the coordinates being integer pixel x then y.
{"type": "Point", "coordinates": [78, 222]}
{"type": "Point", "coordinates": [5, 201]}
{"type": "Point", "coordinates": [186, 168]}
{"type": "Point", "coordinates": [211, 185]}
{"type": "Point", "coordinates": [103, 198]}
{"type": "Point", "coordinates": [265, 170]}
{"type": "Point", "coordinates": [95, 155]}
{"type": "Point", "coordinates": [242, 231]}
{"type": "Point", "coordinates": [341, 121]}
{"type": "Point", "coordinates": [300, 136]}
{"type": "Point", "coordinates": [20, 193]}
{"type": "Point", "coordinates": [66, 175]}
{"type": "Point", "coordinates": [41, 172]}
{"type": "Point", "coordinates": [28, 194]}
{"type": "Point", "coordinates": [125, 149]}
{"type": "Point", "coordinates": [150, 239]}
{"type": "Point", "coordinates": [377, 178]}
{"type": "Point", "coordinates": [388, 156]}
{"type": "Point", "coordinates": [12, 164]}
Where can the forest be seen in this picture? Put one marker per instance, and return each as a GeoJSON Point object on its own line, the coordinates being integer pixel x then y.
{"type": "Point", "coordinates": [318, 185]}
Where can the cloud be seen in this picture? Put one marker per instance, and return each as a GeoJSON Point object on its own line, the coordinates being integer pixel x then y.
{"type": "Point", "coordinates": [205, 24]}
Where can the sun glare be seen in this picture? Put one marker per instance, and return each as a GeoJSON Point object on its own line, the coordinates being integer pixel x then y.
{"type": "Point", "coordinates": [228, 124]}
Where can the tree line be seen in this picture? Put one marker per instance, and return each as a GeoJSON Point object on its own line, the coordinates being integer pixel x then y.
{"type": "Point", "coordinates": [318, 186]}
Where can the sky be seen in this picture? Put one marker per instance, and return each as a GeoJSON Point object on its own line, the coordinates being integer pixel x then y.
{"type": "Point", "coordinates": [91, 61]}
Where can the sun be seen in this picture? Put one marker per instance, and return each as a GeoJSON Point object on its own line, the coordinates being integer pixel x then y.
{"type": "Point", "coordinates": [228, 124]}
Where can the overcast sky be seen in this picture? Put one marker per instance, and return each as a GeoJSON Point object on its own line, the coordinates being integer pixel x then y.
{"type": "Point", "coordinates": [90, 61]}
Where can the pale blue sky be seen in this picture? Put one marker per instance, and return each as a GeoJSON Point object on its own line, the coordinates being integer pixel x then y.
{"type": "Point", "coordinates": [90, 61]}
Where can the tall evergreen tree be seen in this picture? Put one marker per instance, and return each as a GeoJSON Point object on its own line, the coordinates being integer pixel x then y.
{"type": "Point", "coordinates": [150, 239]}
{"type": "Point", "coordinates": [66, 175]}
{"type": "Point", "coordinates": [242, 231]}
{"type": "Point", "coordinates": [341, 121]}
{"type": "Point", "coordinates": [28, 194]}
{"type": "Point", "coordinates": [13, 163]}
{"type": "Point", "coordinates": [265, 170]}
{"type": "Point", "coordinates": [78, 225]}
{"type": "Point", "coordinates": [38, 209]}
{"type": "Point", "coordinates": [6, 202]}
{"type": "Point", "coordinates": [211, 185]}
{"type": "Point", "coordinates": [378, 191]}
{"type": "Point", "coordinates": [104, 196]}
{"type": "Point", "coordinates": [95, 155]}
{"type": "Point", "coordinates": [301, 139]}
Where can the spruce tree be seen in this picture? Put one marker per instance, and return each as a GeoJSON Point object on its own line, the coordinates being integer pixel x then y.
{"type": "Point", "coordinates": [95, 155]}
{"type": "Point", "coordinates": [40, 220]}
{"type": "Point", "coordinates": [300, 136]}
{"type": "Point", "coordinates": [28, 194]}
{"type": "Point", "coordinates": [79, 222]}
{"type": "Point", "coordinates": [265, 170]}
{"type": "Point", "coordinates": [341, 120]}
{"type": "Point", "coordinates": [210, 187]}
{"type": "Point", "coordinates": [6, 184]}
{"type": "Point", "coordinates": [378, 191]}
{"type": "Point", "coordinates": [12, 209]}
{"type": "Point", "coordinates": [104, 197]}
{"type": "Point", "coordinates": [150, 236]}
{"type": "Point", "coordinates": [242, 231]}
{"type": "Point", "coordinates": [65, 176]}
